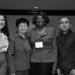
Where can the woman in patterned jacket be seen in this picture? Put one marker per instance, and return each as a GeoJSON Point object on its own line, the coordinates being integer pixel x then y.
{"type": "Point", "coordinates": [43, 44]}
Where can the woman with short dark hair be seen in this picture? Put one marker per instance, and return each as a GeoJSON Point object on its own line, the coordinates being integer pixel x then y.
{"type": "Point", "coordinates": [20, 49]}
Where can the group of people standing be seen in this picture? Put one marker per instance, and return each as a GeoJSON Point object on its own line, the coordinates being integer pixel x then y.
{"type": "Point", "coordinates": [38, 51]}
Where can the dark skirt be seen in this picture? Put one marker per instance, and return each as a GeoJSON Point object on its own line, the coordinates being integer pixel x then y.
{"type": "Point", "coordinates": [41, 68]}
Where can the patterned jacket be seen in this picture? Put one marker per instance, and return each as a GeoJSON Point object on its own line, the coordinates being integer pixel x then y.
{"type": "Point", "coordinates": [49, 51]}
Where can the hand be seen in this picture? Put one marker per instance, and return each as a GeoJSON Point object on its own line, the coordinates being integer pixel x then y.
{"type": "Point", "coordinates": [59, 72]}
{"type": "Point", "coordinates": [54, 70]}
{"type": "Point", "coordinates": [72, 72]}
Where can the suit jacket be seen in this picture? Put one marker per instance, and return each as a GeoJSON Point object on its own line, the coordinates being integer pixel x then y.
{"type": "Point", "coordinates": [66, 51]}
{"type": "Point", "coordinates": [20, 48]}
{"type": "Point", "coordinates": [49, 52]}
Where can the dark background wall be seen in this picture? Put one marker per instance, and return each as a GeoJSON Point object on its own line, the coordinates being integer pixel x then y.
{"type": "Point", "coordinates": [42, 4]}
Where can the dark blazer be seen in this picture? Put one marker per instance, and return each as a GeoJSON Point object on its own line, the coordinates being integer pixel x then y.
{"type": "Point", "coordinates": [20, 48]}
{"type": "Point", "coordinates": [66, 51]}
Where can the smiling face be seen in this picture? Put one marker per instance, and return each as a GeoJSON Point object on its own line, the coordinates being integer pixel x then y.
{"type": "Point", "coordinates": [2, 21]}
{"type": "Point", "coordinates": [64, 24]}
{"type": "Point", "coordinates": [40, 21]}
{"type": "Point", "coordinates": [22, 28]}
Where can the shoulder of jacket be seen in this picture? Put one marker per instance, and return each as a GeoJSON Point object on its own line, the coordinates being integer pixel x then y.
{"type": "Point", "coordinates": [12, 37]}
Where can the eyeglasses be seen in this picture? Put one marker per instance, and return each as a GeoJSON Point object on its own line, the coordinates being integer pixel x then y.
{"type": "Point", "coordinates": [64, 22]}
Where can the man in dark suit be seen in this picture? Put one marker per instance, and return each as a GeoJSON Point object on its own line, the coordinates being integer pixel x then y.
{"type": "Point", "coordinates": [66, 48]}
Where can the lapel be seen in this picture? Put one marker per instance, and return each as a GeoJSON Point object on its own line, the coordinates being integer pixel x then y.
{"type": "Point", "coordinates": [34, 35]}
{"type": "Point", "coordinates": [68, 42]}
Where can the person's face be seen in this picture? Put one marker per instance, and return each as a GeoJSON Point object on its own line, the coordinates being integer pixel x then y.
{"type": "Point", "coordinates": [40, 21]}
{"type": "Point", "coordinates": [23, 28]}
{"type": "Point", "coordinates": [2, 21]}
{"type": "Point", "coordinates": [64, 24]}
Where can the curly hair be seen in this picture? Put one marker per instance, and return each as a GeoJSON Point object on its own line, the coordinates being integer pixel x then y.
{"type": "Point", "coordinates": [44, 15]}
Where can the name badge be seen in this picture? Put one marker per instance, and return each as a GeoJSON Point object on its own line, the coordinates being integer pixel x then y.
{"type": "Point", "coordinates": [38, 44]}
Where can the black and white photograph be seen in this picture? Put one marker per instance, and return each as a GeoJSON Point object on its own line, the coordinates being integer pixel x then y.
{"type": "Point", "coordinates": [37, 37]}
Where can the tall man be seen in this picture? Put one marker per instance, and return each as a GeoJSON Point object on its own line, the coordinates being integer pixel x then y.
{"type": "Point", "coordinates": [66, 48]}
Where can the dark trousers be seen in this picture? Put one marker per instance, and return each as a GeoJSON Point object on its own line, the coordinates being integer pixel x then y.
{"type": "Point", "coordinates": [22, 72]}
{"type": "Point", "coordinates": [41, 68]}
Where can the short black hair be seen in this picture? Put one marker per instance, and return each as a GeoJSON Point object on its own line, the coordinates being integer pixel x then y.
{"type": "Point", "coordinates": [21, 20]}
{"type": "Point", "coordinates": [44, 15]}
